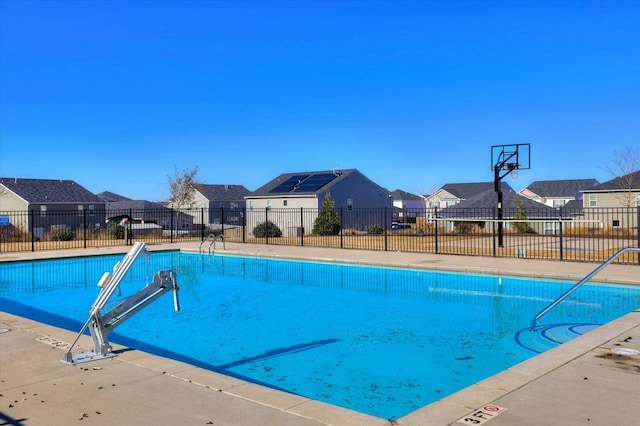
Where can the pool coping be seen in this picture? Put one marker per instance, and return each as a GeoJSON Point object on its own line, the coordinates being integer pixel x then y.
{"type": "Point", "coordinates": [448, 410]}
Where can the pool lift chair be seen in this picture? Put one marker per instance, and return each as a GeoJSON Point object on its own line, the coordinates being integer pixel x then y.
{"type": "Point", "coordinates": [100, 325]}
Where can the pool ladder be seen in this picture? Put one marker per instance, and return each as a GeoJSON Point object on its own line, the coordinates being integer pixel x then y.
{"type": "Point", "coordinates": [577, 285]}
{"type": "Point", "coordinates": [213, 239]}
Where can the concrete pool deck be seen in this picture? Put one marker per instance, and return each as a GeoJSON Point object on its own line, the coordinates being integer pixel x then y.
{"type": "Point", "coordinates": [580, 382]}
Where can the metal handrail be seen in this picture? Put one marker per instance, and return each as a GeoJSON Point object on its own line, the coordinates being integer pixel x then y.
{"type": "Point", "coordinates": [213, 242]}
{"type": "Point", "coordinates": [224, 245]}
{"type": "Point", "coordinates": [579, 283]}
{"type": "Point", "coordinates": [204, 241]}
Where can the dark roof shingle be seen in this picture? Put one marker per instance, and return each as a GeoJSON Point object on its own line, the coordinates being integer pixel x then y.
{"type": "Point", "coordinates": [50, 191]}
{"type": "Point", "coordinates": [561, 188]}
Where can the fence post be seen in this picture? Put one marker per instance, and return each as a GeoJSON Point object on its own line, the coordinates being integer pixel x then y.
{"type": "Point", "coordinates": [561, 236]}
{"type": "Point", "coordinates": [385, 229]}
{"type": "Point", "coordinates": [244, 224]}
{"type": "Point", "coordinates": [266, 224]}
{"type": "Point", "coordinates": [171, 222]}
{"type": "Point", "coordinates": [493, 227]}
{"type": "Point", "coordinates": [341, 228]}
{"type": "Point", "coordinates": [201, 223]}
{"type": "Point", "coordinates": [435, 226]}
{"type": "Point", "coordinates": [302, 227]}
{"type": "Point", "coordinates": [638, 230]}
{"type": "Point", "coordinates": [33, 237]}
{"type": "Point", "coordinates": [84, 220]}
{"type": "Point", "coordinates": [222, 221]}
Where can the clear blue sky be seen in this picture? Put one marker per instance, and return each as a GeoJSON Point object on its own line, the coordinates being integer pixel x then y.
{"type": "Point", "coordinates": [116, 94]}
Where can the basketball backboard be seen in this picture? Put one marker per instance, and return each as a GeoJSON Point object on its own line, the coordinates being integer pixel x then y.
{"type": "Point", "coordinates": [511, 157]}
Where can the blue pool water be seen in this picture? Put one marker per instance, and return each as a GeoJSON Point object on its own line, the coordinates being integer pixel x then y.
{"type": "Point", "coordinates": [381, 341]}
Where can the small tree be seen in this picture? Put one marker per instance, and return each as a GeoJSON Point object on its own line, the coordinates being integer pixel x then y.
{"type": "Point", "coordinates": [624, 166]}
{"type": "Point", "coordinates": [182, 187]}
{"type": "Point", "coordinates": [522, 225]}
{"type": "Point", "coordinates": [267, 229]}
{"type": "Point", "coordinates": [328, 221]}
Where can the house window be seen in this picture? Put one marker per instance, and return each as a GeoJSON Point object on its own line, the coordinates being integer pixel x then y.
{"type": "Point", "coordinates": [551, 228]}
{"type": "Point", "coordinates": [558, 203]}
{"type": "Point", "coordinates": [593, 200]}
{"type": "Point", "coordinates": [250, 204]}
{"type": "Point", "coordinates": [91, 209]}
{"type": "Point", "coordinates": [43, 211]}
{"type": "Point", "coordinates": [233, 206]}
{"type": "Point", "coordinates": [284, 203]}
{"type": "Point", "coordinates": [268, 204]}
{"type": "Point", "coordinates": [637, 200]}
{"type": "Point", "coordinates": [349, 203]}
{"type": "Point", "coordinates": [80, 210]}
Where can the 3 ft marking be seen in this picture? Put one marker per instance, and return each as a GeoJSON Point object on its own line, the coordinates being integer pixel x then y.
{"type": "Point", "coordinates": [482, 415]}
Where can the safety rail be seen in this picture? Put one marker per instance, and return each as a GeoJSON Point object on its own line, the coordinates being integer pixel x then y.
{"type": "Point", "coordinates": [579, 284]}
{"type": "Point", "coordinates": [213, 238]}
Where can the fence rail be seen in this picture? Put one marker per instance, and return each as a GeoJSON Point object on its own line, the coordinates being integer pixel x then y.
{"type": "Point", "coordinates": [586, 235]}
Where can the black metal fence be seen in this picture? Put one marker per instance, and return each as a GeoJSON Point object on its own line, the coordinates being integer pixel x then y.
{"type": "Point", "coordinates": [589, 235]}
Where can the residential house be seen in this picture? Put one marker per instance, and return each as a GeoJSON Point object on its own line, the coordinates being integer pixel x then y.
{"type": "Point", "coordinates": [481, 209]}
{"type": "Point", "coordinates": [557, 193]}
{"type": "Point", "coordinates": [39, 206]}
{"type": "Point", "coordinates": [220, 204]}
{"type": "Point", "coordinates": [614, 203]}
{"type": "Point", "coordinates": [407, 206]}
{"type": "Point", "coordinates": [623, 191]}
{"type": "Point", "coordinates": [146, 217]}
{"type": "Point", "coordinates": [453, 193]}
{"type": "Point", "coordinates": [292, 201]}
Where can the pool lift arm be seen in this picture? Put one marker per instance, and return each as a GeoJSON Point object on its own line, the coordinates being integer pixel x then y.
{"type": "Point", "coordinates": [100, 325]}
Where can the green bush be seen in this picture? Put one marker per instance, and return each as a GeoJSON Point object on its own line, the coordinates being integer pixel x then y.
{"type": "Point", "coordinates": [115, 231]}
{"type": "Point", "coordinates": [375, 230]}
{"type": "Point", "coordinates": [64, 234]}
{"type": "Point", "coordinates": [267, 229]}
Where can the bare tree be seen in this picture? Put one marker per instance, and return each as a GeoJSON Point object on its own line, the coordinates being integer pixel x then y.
{"type": "Point", "coordinates": [182, 187]}
{"type": "Point", "coordinates": [625, 168]}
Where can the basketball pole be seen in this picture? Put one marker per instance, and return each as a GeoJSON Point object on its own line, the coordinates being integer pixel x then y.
{"type": "Point", "coordinates": [498, 189]}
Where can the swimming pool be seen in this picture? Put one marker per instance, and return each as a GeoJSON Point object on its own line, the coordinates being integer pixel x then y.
{"type": "Point", "coordinates": [380, 341]}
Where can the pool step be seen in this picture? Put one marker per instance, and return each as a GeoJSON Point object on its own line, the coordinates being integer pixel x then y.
{"type": "Point", "coordinates": [550, 336]}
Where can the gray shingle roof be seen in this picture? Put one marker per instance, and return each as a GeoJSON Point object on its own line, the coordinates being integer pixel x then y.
{"type": "Point", "coordinates": [50, 191]}
{"type": "Point", "coordinates": [111, 197]}
{"type": "Point", "coordinates": [465, 191]}
{"type": "Point", "coordinates": [619, 183]}
{"type": "Point", "coordinates": [561, 188]}
{"type": "Point", "coordinates": [402, 195]}
{"type": "Point", "coordinates": [481, 206]}
{"type": "Point", "coordinates": [224, 192]}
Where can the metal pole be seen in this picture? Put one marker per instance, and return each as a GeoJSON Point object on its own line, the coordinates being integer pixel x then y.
{"type": "Point", "coordinates": [386, 248]}
{"type": "Point", "coordinates": [561, 242]}
{"type": "Point", "coordinates": [33, 237]}
{"type": "Point", "coordinates": [302, 226]}
{"type": "Point", "coordinates": [498, 189]}
{"type": "Point", "coordinates": [435, 226]}
{"type": "Point", "coordinates": [84, 219]}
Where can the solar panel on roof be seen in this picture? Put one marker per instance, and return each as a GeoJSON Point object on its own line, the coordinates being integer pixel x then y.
{"type": "Point", "coordinates": [288, 184]}
{"type": "Point", "coordinates": [315, 182]}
